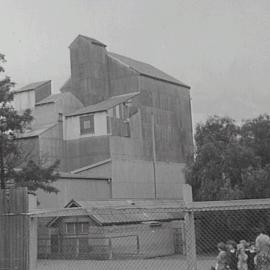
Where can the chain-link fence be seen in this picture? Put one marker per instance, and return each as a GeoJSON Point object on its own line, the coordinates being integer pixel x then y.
{"type": "Point", "coordinates": [155, 238]}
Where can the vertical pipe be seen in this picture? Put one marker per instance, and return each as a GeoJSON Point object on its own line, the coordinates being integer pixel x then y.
{"type": "Point", "coordinates": [2, 169]}
{"type": "Point", "coordinates": [154, 152]}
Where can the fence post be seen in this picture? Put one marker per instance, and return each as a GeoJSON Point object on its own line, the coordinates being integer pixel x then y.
{"type": "Point", "coordinates": [32, 243]}
{"type": "Point", "coordinates": [189, 229]}
{"type": "Point", "coordinates": [110, 249]}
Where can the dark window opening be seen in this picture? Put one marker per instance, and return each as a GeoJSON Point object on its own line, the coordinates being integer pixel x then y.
{"type": "Point", "coordinates": [87, 124]}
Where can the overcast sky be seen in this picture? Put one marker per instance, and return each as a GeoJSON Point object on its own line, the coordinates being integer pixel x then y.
{"type": "Point", "coordinates": [221, 48]}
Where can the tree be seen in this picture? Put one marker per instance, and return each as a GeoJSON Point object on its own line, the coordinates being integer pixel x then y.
{"type": "Point", "coordinates": [13, 166]}
{"type": "Point", "coordinates": [231, 161]}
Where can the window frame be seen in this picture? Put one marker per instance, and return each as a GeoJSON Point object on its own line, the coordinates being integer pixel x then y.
{"type": "Point", "coordinates": [84, 118]}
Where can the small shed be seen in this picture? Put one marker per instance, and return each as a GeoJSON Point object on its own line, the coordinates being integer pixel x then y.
{"type": "Point", "coordinates": [115, 229]}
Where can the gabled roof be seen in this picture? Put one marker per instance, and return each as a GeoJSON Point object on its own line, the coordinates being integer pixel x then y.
{"type": "Point", "coordinates": [146, 69]}
{"type": "Point", "coordinates": [32, 86]}
{"type": "Point", "coordinates": [104, 105]}
{"type": "Point", "coordinates": [110, 212]}
{"type": "Point", "coordinates": [92, 40]}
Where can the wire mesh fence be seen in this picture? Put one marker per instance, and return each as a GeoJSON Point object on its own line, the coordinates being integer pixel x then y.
{"type": "Point", "coordinates": [202, 236]}
{"type": "Point", "coordinates": [230, 235]}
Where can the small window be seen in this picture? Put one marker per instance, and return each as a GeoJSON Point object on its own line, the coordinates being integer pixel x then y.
{"type": "Point", "coordinates": [70, 228]}
{"type": "Point", "coordinates": [83, 228]}
{"type": "Point", "coordinates": [87, 124]}
{"type": "Point", "coordinates": [77, 227]}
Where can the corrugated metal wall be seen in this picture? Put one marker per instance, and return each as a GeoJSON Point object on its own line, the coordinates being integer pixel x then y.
{"type": "Point", "coordinates": [89, 74]}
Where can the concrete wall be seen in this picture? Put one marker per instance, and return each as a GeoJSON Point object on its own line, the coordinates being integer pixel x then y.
{"type": "Point", "coordinates": [78, 189]}
{"type": "Point", "coordinates": [72, 126]}
{"type": "Point", "coordinates": [135, 179]}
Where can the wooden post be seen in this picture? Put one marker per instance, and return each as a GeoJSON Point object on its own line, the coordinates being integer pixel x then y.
{"type": "Point", "coordinates": [138, 244]}
{"type": "Point", "coordinates": [189, 229]}
{"type": "Point", "coordinates": [110, 249]}
{"type": "Point", "coordinates": [32, 243]}
{"type": "Point", "coordinates": [14, 229]}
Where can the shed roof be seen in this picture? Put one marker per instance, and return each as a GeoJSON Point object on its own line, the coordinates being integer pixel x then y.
{"type": "Point", "coordinates": [146, 69]}
{"type": "Point", "coordinates": [70, 175]}
{"type": "Point", "coordinates": [35, 132]}
{"type": "Point", "coordinates": [54, 98]}
{"type": "Point", "coordinates": [97, 164]}
{"type": "Point", "coordinates": [104, 105]}
{"type": "Point", "coordinates": [109, 212]}
{"type": "Point", "coordinates": [32, 86]}
{"type": "Point", "coordinates": [50, 99]}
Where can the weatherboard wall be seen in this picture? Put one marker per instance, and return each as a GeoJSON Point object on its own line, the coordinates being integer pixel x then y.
{"type": "Point", "coordinates": [72, 126]}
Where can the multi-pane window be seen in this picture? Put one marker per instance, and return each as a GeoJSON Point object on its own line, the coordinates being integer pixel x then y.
{"type": "Point", "coordinates": [77, 227]}
{"type": "Point", "coordinates": [87, 124]}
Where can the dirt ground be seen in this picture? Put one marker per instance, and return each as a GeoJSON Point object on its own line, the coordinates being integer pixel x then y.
{"type": "Point", "coordinates": [171, 263]}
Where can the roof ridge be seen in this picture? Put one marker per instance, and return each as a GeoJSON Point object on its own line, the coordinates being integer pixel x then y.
{"type": "Point", "coordinates": [32, 86]}
{"type": "Point", "coordinates": [146, 69]}
{"type": "Point", "coordinates": [92, 40]}
{"type": "Point", "coordinates": [103, 105]}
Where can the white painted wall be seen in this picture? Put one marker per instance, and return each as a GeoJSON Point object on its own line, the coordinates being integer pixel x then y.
{"type": "Point", "coordinates": [72, 126]}
{"type": "Point", "coordinates": [24, 100]}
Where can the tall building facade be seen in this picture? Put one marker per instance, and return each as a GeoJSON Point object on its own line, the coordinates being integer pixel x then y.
{"type": "Point", "coordinates": [116, 119]}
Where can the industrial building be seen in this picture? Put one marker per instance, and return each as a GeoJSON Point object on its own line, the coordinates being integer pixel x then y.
{"type": "Point", "coordinates": [120, 127]}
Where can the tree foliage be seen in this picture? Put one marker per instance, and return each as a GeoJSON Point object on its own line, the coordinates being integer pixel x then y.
{"type": "Point", "coordinates": [14, 165]}
{"type": "Point", "coordinates": [231, 161]}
